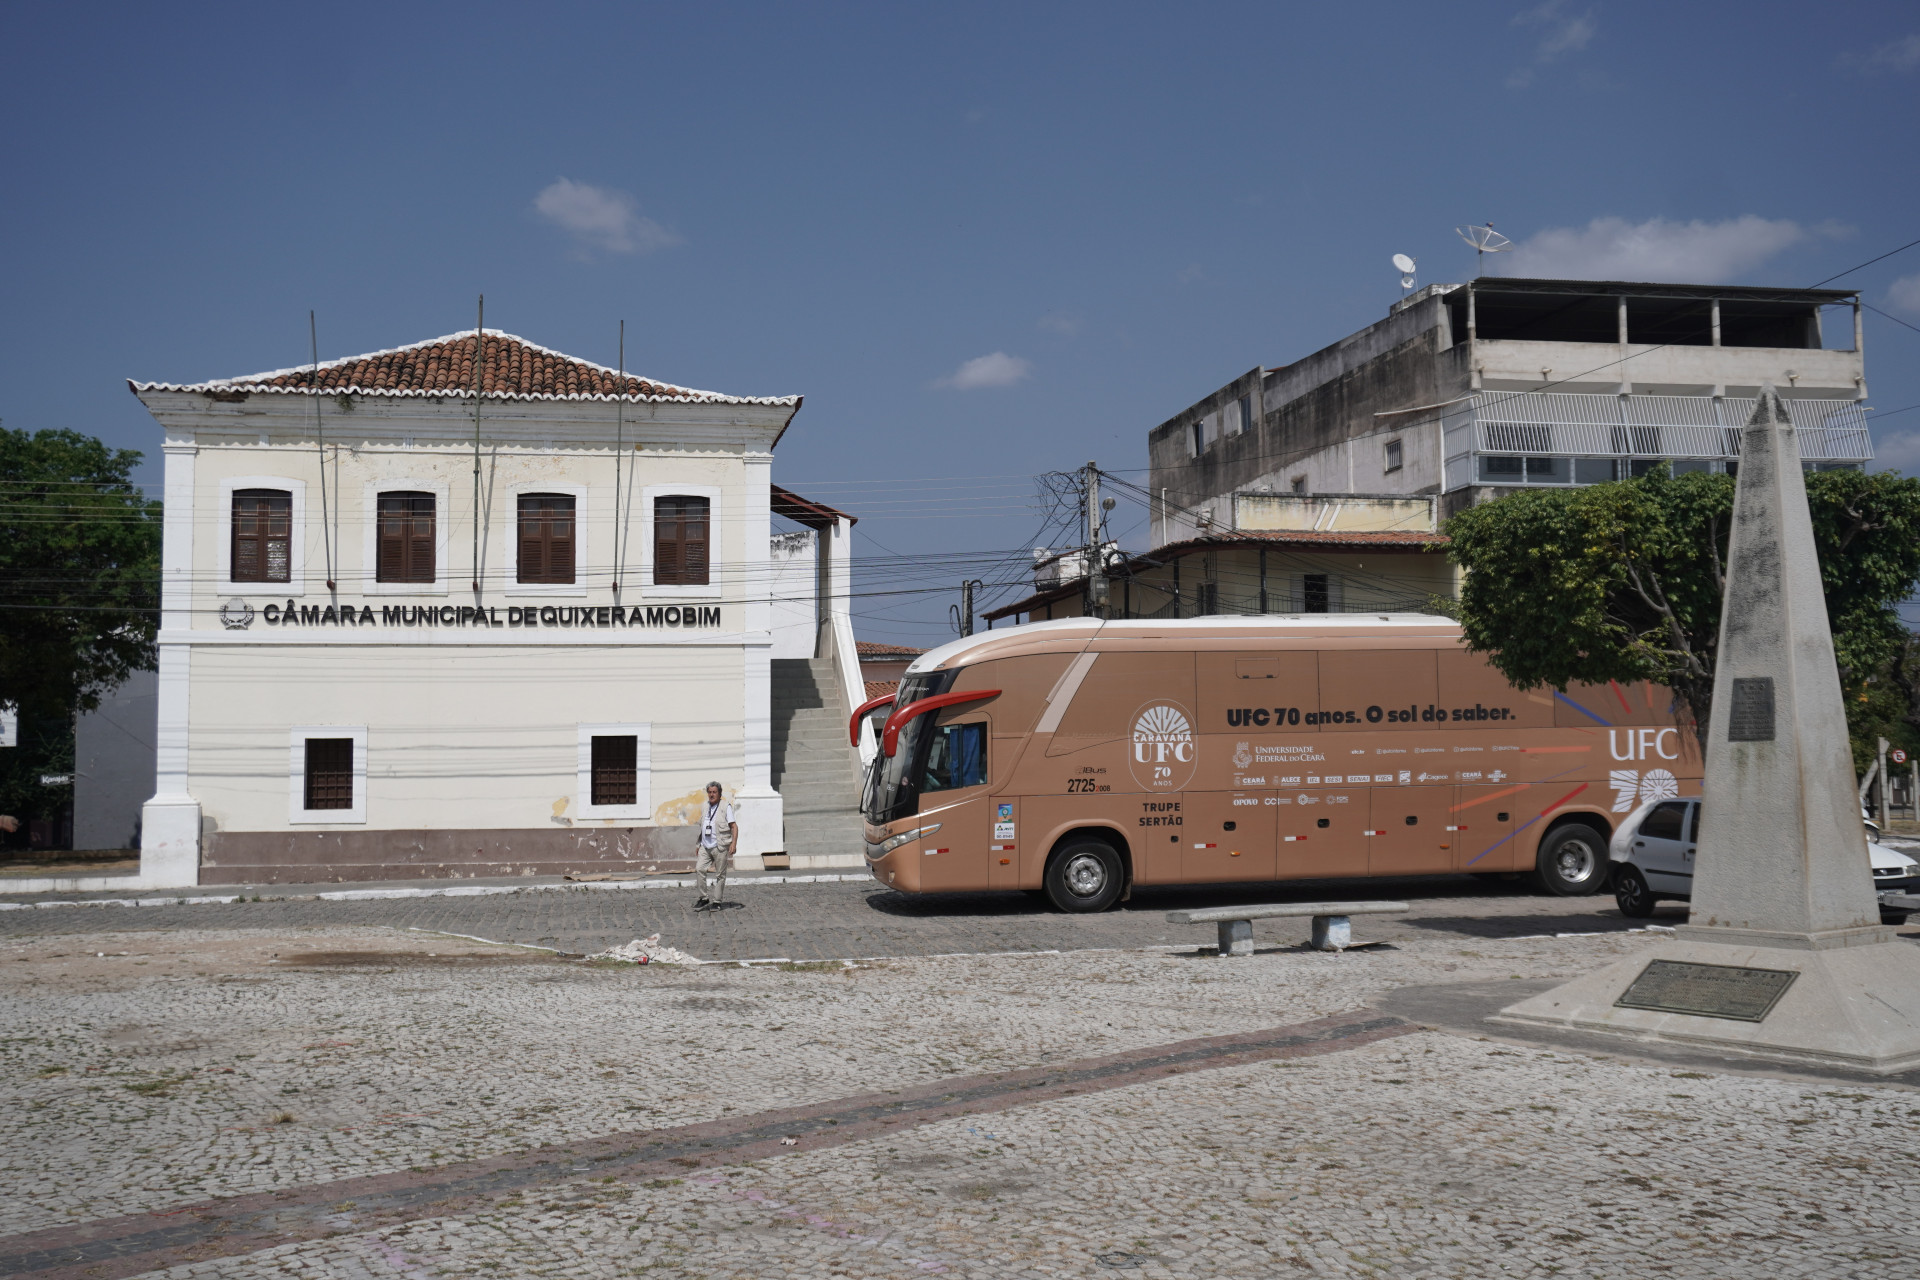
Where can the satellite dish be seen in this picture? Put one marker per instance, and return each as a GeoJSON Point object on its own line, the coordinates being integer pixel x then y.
{"type": "Point", "coordinates": [1485, 240]}
{"type": "Point", "coordinates": [1403, 264]}
{"type": "Point", "coordinates": [1406, 282]}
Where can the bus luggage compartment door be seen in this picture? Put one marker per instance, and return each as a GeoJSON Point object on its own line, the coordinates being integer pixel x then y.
{"type": "Point", "coordinates": [1228, 835]}
{"type": "Point", "coordinates": [1484, 828]}
{"type": "Point", "coordinates": [1408, 834]}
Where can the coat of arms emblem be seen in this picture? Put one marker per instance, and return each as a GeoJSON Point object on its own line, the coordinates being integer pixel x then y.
{"type": "Point", "coordinates": [236, 615]}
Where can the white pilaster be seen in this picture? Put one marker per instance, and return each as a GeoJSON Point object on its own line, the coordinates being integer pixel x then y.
{"type": "Point", "coordinates": [759, 806]}
{"type": "Point", "coordinates": [170, 821]}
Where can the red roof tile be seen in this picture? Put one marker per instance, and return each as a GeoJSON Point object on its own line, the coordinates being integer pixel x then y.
{"type": "Point", "coordinates": [881, 688]}
{"type": "Point", "coordinates": [869, 649]}
{"type": "Point", "coordinates": [513, 369]}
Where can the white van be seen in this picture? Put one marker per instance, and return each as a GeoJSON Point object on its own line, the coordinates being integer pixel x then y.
{"type": "Point", "coordinates": [1652, 856]}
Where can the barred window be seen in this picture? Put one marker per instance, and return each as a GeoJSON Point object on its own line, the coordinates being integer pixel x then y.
{"type": "Point", "coordinates": [546, 537]}
{"type": "Point", "coordinates": [262, 535]}
{"type": "Point", "coordinates": [329, 781]}
{"type": "Point", "coordinates": [680, 541]}
{"type": "Point", "coordinates": [406, 548]}
{"type": "Point", "coordinates": [615, 769]}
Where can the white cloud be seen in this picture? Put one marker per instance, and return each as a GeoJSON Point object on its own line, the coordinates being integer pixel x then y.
{"type": "Point", "coordinates": [1065, 323]}
{"type": "Point", "coordinates": [997, 369]}
{"type": "Point", "coordinates": [1561, 32]}
{"type": "Point", "coordinates": [1896, 55]}
{"type": "Point", "coordinates": [1897, 451]}
{"type": "Point", "coordinates": [1564, 32]}
{"type": "Point", "coordinates": [1659, 249]}
{"type": "Point", "coordinates": [1904, 294]}
{"type": "Point", "coordinates": [601, 219]}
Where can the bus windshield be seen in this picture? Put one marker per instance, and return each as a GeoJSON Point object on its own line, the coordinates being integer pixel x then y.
{"type": "Point", "coordinates": [894, 782]}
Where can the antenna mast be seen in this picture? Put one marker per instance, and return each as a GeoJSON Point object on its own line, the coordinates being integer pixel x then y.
{"type": "Point", "coordinates": [320, 443]}
{"type": "Point", "coordinates": [619, 448]}
{"type": "Point", "coordinates": [479, 358]}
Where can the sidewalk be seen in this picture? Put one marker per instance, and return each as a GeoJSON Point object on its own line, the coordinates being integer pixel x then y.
{"type": "Point", "coordinates": [372, 889]}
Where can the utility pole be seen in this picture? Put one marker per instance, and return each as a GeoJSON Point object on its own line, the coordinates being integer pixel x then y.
{"type": "Point", "coordinates": [966, 605]}
{"type": "Point", "coordinates": [1885, 817]}
{"type": "Point", "coordinates": [1097, 594]}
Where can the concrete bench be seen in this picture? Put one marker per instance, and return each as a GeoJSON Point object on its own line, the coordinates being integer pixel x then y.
{"type": "Point", "coordinates": [1332, 923]}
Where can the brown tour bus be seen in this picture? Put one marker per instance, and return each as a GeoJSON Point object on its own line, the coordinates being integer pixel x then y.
{"type": "Point", "coordinates": [1084, 757]}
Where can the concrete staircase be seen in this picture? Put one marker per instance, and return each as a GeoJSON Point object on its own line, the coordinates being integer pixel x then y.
{"type": "Point", "coordinates": [815, 770]}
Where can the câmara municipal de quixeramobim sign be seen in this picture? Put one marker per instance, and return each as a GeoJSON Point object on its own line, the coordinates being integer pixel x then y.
{"type": "Point", "coordinates": [598, 617]}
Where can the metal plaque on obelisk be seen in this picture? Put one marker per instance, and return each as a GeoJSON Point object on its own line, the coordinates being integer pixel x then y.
{"type": "Point", "coordinates": [1784, 956]}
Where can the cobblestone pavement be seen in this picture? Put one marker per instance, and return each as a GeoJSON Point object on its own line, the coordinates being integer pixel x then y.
{"type": "Point", "coordinates": [196, 1059]}
{"type": "Point", "coordinates": [847, 920]}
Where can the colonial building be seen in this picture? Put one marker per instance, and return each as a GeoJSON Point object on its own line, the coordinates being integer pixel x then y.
{"type": "Point", "coordinates": [408, 631]}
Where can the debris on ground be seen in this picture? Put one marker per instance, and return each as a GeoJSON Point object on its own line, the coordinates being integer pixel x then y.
{"type": "Point", "coordinates": [646, 950]}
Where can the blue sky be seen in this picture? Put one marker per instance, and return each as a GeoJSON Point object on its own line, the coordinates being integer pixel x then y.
{"type": "Point", "coordinates": [984, 241]}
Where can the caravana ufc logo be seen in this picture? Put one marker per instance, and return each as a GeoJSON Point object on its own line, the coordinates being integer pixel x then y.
{"type": "Point", "coordinates": [1162, 754]}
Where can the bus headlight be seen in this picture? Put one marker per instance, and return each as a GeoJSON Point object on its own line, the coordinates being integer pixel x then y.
{"type": "Point", "coordinates": [894, 842]}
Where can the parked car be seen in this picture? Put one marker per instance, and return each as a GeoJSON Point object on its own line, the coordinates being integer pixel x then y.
{"type": "Point", "coordinates": [1652, 856]}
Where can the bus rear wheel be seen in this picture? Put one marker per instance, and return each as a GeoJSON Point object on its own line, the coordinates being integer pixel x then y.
{"type": "Point", "coordinates": [1085, 876]}
{"type": "Point", "coordinates": [1573, 861]}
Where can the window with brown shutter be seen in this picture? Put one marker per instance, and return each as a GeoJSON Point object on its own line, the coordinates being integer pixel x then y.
{"type": "Point", "coordinates": [329, 773]}
{"type": "Point", "coordinates": [680, 541]}
{"type": "Point", "coordinates": [546, 537]}
{"type": "Point", "coordinates": [615, 769]}
{"type": "Point", "coordinates": [406, 538]}
{"type": "Point", "coordinates": [262, 535]}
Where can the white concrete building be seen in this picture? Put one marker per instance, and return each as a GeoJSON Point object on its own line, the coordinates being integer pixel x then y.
{"type": "Point", "coordinates": [406, 633]}
{"type": "Point", "coordinates": [1465, 392]}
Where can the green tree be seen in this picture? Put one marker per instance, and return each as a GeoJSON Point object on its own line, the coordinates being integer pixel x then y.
{"type": "Point", "coordinates": [1624, 581]}
{"type": "Point", "coordinates": [79, 594]}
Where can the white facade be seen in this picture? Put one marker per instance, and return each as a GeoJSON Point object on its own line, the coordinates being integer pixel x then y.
{"type": "Point", "coordinates": [472, 709]}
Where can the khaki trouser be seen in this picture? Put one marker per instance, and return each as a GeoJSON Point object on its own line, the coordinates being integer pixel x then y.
{"type": "Point", "coordinates": [710, 869]}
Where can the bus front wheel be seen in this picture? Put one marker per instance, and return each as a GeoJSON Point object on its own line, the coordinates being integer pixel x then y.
{"type": "Point", "coordinates": [1085, 876]}
{"type": "Point", "coordinates": [1573, 861]}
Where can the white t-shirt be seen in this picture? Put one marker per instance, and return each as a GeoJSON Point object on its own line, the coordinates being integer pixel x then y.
{"type": "Point", "coordinates": [715, 820]}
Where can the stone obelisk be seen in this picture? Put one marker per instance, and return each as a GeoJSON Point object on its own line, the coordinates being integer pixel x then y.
{"type": "Point", "coordinates": [1784, 956]}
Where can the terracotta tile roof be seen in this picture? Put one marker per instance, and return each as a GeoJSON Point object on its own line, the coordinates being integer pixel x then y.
{"type": "Point", "coordinates": [868, 649]}
{"type": "Point", "coordinates": [881, 688]}
{"type": "Point", "coordinates": [815, 515]}
{"type": "Point", "coordinates": [514, 369]}
{"type": "Point", "coordinates": [1403, 539]}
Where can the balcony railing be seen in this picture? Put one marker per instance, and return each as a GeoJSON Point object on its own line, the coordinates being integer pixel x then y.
{"type": "Point", "coordinates": [1546, 425]}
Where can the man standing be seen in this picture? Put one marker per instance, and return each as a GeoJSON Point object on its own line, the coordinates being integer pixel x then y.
{"type": "Point", "coordinates": [719, 833]}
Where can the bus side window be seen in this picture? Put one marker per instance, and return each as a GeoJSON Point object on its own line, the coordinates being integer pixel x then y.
{"type": "Point", "coordinates": [957, 757]}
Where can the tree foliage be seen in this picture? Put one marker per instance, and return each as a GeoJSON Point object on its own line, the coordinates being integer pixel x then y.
{"type": "Point", "coordinates": [1624, 581]}
{"type": "Point", "coordinates": [79, 572]}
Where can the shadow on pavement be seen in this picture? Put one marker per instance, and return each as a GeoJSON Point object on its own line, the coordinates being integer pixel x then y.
{"type": "Point", "coordinates": [1513, 901]}
{"type": "Point", "coordinates": [1530, 924]}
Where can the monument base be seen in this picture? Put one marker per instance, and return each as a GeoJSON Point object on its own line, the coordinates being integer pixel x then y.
{"type": "Point", "coordinates": [1843, 1006]}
